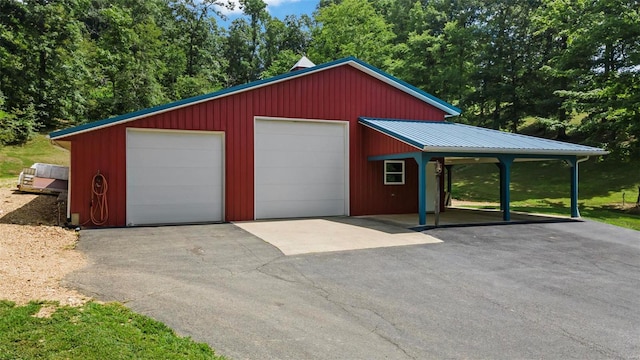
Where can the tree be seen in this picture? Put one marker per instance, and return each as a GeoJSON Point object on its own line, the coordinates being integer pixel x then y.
{"type": "Point", "coordinates": [284, 42]}
{"type": "Point", "coordinates": [351, 28]}
{"type": "Point", "coordinates": [243, 43]}
{"type": "Point", "coordinates": [126, 65]}
{"type": "Point", "coordinates": [40, 41]}
{"type": "Point", "coordinates": [441, 47]}
{"type": "Point", "coordinates": [194, 55]}
{"type": "Point", "coordinates": [281, 63]}
{"type": "Point", "coordinates": [596, 65]}
{"type": "Point", "coordinates": [509, 61]}
{"type": "Point", "coordinates": [240, 67]}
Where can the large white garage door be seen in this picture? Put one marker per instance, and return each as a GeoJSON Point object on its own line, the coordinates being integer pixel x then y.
{"type": "Point", "coordinates": [174, 177]}
{"type": "Point", "coordinates": [301, 169]}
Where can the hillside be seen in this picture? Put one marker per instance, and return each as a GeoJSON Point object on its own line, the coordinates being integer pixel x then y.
{"type": "Point", "coordinates": [14, 158]}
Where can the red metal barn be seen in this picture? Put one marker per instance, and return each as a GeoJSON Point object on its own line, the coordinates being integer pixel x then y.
{"type": "Point", "coordinates": [289, 146]}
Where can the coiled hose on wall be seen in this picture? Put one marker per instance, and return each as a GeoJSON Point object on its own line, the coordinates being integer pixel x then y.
{"type": "Point", "coordinates": [99, 206]}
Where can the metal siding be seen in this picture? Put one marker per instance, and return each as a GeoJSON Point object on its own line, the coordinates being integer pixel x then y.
{"type": "Point", "coordinates": [246, 106]}
{"type": "Point", "coordinates": [91, 153]}
{"type": "Point", "coordinates": [191, 117]}
{"type": "Point", "coordinates": [338, 93]}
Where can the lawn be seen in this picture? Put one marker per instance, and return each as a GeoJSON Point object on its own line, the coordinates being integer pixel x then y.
{"type": "Point", "coordinates": [92, 331]}
{"type": "Point", "coordinates": [543, 187]}
{"type": "Point", "coordinates": [14, 158]}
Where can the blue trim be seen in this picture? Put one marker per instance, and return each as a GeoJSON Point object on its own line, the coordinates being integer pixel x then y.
{"type": "Point", "coordinates": [574, 187]}
{"type": "Point", "coordinates": [505, 186]}
{"type": "Point", "coordinates": [411, 155]}
{"type": "Point", "coordinates": [422, 188]}
{"type": "Point", "coordinates": [501, 175]}
{"type": "Point", "coordinates": [69, 131]}
{"type": "Point", "coordinates": [449, 183]}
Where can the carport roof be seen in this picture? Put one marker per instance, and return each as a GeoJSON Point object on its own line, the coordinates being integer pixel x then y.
{"type": "Point", "coordinates": [452, 138]}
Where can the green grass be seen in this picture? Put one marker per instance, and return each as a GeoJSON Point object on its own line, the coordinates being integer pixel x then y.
{"type": "Point", "coordinates": [92, 331]}
{"type": "Point", "coordinates": [544, 187]}
{"type": "Point", "coordinates": [14, 158]}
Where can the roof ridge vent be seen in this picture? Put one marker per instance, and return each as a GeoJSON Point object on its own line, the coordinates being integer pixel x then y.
{"type": "Point", "coordinates": [303, 63]}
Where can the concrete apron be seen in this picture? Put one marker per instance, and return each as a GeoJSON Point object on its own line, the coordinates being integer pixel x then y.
{"type": "Point", "coordinates": [304, 236]}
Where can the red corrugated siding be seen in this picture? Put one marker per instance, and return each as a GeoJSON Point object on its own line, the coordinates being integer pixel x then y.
{"type": "Point", "coordinates": [341, 93]}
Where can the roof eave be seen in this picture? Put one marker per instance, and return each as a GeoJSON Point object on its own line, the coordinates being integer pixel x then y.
{"type": "Point", "coordinates": [512, 151]}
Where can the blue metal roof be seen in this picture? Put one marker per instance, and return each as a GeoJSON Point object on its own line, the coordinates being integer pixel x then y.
{"type": "Point", "coordinates": [452, 138]}
{"type": "Point", "coordinates": [356, 63]}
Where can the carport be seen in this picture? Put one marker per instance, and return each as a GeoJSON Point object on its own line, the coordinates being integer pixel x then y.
{"type": "Point", "coordinates": [450, 143]}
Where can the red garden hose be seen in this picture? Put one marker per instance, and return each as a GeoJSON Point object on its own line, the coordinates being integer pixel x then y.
{"type": "Point", "coordinates": [99, 207]}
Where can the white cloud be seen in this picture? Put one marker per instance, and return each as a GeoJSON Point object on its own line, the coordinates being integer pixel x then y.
{"type": "Point", "coordinates": [270, 3]}
{"type": "Point", "coordinates": [279, 2]}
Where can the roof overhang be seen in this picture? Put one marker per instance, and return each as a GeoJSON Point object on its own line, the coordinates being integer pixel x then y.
{"type": "Point", "coordinates": [447, 108]}
{"type": "Point", "coordinates": [449, 139]}
{"type": "Point", "coordinates": [62, 144]}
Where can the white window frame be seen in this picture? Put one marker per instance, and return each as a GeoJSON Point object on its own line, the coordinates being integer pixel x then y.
{"type": "Point", "coordinates": [402, 172]}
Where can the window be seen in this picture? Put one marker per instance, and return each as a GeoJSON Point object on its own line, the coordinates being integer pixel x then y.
{"type": "Point", "coordinates": [394, 172]}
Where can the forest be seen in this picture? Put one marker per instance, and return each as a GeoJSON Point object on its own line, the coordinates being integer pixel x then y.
{"type": "Point", "coordinates": [569, 67]}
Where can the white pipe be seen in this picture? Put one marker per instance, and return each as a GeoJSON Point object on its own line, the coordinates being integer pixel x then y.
{"type": "Point", "coordinates": [577, 182]}
{"type": "Point", "coordinates": [582, 160]}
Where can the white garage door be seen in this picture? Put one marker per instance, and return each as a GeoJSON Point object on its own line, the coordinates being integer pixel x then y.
{"type": "Point", "coordinates": [174, 177]}
{"type": "Point", "coordinates": [300, 169]}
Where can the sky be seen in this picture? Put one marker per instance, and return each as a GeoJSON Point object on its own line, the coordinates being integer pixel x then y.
{"type": "Point", "coordinates": [279, 8]}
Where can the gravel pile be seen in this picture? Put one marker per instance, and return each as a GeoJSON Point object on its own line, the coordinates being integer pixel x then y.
{"type": "Point", "coordinates": [35, 254]}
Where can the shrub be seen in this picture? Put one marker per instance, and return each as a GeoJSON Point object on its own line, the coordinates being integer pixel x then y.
{"type": "Point", "coordinates": [17, 127]}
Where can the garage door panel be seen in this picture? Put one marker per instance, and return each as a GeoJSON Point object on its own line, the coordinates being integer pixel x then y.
{"type": "Point", "coordinates": [159, 139]}
{"type": "Point", "coordinates": [148, 214]}
{"type": "Point", "coordinates": [303, 192]}
{"type": "Point", "coordinates": [300, 169]}
{"type": "Point", "coordinates": [175, 195]}
{"type": "Point", "coordinates": [177, 157]}
{"type": "Point", "coordinates": [174, 177]}
{"type": "Point", "coordinates": [284, 209]}
{"type": "Point", "coordinates": [306, 128]}
{"type": "Point", "coordinates": [300, 158]}
{"type": "Point", "coordinates": [280, 142]}
{"type": "Point", "coordinates": [177, 176]}
{"type": "Point", "coordinates": [300, 176]}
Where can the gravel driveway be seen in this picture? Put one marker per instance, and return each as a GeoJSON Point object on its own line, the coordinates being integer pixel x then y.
{"type": "Point", "coordinates": [35, 253]}
{"type": "Point", "coordinates": [555, 291]}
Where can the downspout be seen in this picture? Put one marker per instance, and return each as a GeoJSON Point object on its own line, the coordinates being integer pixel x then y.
{"type": "Point", "coordinates": [578, 162]}
{"type": "Point", "coordinates": [68, 148]}
{"type": "Point", "coordinates": [582, 160]}
{"type": "Point", "coordinates": [574, 182]}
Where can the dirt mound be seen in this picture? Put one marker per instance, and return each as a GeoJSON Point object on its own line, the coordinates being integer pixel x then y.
{"type": "Point", "coordinates": [27, 209]}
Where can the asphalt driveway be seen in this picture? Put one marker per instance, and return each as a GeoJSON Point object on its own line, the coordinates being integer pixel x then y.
{"type": "Point", "coordinates": [553, 291]}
